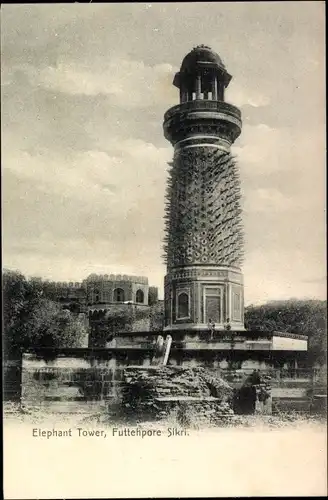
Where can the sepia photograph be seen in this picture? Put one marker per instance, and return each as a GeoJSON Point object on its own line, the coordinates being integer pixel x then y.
{"type": "Point", "coordinates": [164, 249]}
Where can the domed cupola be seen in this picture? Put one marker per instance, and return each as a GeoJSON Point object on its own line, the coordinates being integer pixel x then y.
{"type": "Point", "coordinates": [202, 76]}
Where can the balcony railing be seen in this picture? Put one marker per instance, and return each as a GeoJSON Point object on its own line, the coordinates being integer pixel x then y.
{"type": "Point", "coordinates": [200, 105]}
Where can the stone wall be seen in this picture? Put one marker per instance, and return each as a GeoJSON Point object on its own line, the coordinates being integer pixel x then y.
{"type": "Point", "coordinates": [72, 379]}
{"type": "Point", "coordinates": [12, 375]}
{"type": "Point", "coordinates": [75, 380]}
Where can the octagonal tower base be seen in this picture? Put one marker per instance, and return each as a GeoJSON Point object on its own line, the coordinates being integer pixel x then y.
{"type": "Point", "coordinates": [198, 297]}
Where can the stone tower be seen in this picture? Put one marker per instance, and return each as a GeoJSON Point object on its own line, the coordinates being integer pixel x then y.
{"type": "Point", "coordinates": [204, 234]}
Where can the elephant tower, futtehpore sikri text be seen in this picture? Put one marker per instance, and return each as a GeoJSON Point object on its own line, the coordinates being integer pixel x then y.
{"type": "Point", "coordinates": [204, 234]}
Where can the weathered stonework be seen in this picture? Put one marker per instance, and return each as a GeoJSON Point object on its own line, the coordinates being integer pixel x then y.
{"type": "Point", "coordinates": [204, 235]}
{"type": "Point", "coordinates": [199, 283]}
{"type": "Point", "coordinates": [195, 396]}
{"type": "Point", "coordinates": [85, 380]}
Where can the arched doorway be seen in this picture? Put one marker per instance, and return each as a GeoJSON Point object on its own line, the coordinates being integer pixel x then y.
{"type": "Point", "coordinates": [140, 297]}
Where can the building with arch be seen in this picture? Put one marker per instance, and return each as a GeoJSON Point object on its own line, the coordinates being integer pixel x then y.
{"type": "Point", "coordinates": [101, 292]}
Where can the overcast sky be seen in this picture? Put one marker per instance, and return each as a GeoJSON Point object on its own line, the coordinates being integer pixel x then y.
{"type": "Point", "coordinates": [84, 90]}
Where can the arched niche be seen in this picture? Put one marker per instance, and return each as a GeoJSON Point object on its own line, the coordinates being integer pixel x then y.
{"type": "Point", "coordinates": [119, 295]}
{"type": "Point", "coordinates": [183, 305]}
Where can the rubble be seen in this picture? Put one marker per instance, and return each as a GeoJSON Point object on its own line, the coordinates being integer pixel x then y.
{"type": "Point", "coordinates": [192, 395]}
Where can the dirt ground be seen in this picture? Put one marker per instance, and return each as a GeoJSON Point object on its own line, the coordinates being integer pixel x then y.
{"type": "Point", "coordinates": [14, 413]}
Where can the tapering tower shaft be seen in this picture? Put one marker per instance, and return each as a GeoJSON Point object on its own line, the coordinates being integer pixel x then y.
{"type": "Point", "coordinates": [204, 237]}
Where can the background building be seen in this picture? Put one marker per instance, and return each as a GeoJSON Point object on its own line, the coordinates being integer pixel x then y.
{"type": "Point", "coordinates": [101, 291]}
{"type": "Point", "coordinates": [110, 304]}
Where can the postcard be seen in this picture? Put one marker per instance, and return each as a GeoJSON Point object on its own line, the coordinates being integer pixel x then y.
{"type": "Point", "coordinates": [164, 276]}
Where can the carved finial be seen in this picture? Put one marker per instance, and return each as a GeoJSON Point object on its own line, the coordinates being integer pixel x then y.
{"type": "Point", "coordinates": [202, 46]}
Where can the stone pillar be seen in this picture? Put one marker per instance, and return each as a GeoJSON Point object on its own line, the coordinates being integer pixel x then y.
{"type": "Point", "coordinates": [215, 88]}
{"type": "Point", "coordinates": [183, 94]}
{"type": "Point", "coordinates": [222, 92]}
{"type": "Point", "coordinates": [198, 87]}
{"type": "Point", "coordinates": [228, 305]}
{"type": "Point", "coordinates": [167, 344]}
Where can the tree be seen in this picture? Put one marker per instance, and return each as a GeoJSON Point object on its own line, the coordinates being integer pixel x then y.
{"type": "Point", "coordinates": [157, 316]}
{"type": "Point", "coordinates": [57, 327]}
{"type": "Point", "coordinates": [152, 295]}
{"type": "Point", "coordinates": [104, 326]}
{"type": "Point", "coordinates": [304, 317]}
{"type": "Point", "coordinates": [31, 320]}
